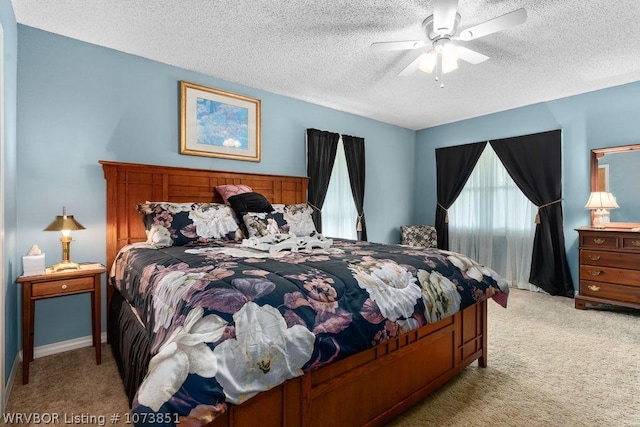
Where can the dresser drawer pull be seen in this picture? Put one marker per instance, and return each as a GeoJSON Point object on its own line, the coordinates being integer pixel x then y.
{"type": "Point", "coordinates": [595, 272]}
{"type": "Point", "coordinates": [636, 243]}
{"type": "Point", "coordinates": [598, 241]}
{"type": "Point", "coordinates": [594, 257]}
{"type": "Point", "coordinates": [64, 286]}
{"type": "Point", "coordinates": [594, 288]}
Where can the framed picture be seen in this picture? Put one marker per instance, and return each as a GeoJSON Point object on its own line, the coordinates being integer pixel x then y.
{"type": "Point", "coordinates": [216, 123]}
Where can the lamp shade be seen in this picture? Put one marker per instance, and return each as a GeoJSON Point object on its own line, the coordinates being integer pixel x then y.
{"type": "Point", "coordinates": [428, 62]}
{"type": "Point", "coordinates": [601, 200]}
{"type": "Point", "coordinates": [64, 222]}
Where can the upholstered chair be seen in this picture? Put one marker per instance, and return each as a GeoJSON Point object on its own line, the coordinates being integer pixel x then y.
{"type": "Point", "coordinates": [419, 235]}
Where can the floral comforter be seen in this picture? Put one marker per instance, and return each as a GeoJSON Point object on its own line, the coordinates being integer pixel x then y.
{"type": "Point", "coordinates": [227, 322]}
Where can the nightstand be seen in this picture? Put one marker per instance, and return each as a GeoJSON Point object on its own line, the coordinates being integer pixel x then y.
{"type": "Point", "coordinates": [57, 284]}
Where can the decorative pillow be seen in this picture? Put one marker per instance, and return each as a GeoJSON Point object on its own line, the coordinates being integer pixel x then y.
{"type": "Point", "coordinates": [190, 222]}
{"type": "Point", "coordinates": [214, 221]}
{"type": "Point", "coordinates": [229, 190]}
{"type": "Point", "coordinates": [172, 216]}
{"type": "Point", "coordinates": [159, 236]}
{"type": "Point", "coordinates": [298, 217]}
{"type": "Point", "coordinates": [249, 202]}
{"type": "Point", "coordinates": [260, 224]}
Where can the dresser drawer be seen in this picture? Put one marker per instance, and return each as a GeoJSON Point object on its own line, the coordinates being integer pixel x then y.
{"type": "Point", "coordinates": [62, 287]}
{"type": "Point", "coordinates": [631, 243]}
{"type": "Point", "coordinates": [609, 291]}
{"type": "Point", "coordinates": [610, 275]}
{"type": "Point", "coordinates": [601, 241]}
{"type": "Point", "coordinates": [610, 259]}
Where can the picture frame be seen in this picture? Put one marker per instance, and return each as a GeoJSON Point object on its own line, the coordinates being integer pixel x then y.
{"type": "Point", "coordinates": [217, 123]}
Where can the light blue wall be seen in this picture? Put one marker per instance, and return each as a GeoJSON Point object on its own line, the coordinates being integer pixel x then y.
{"type": "Point", "coordinates": [597, 119]}
{"type": "Point", "coordinates": [9, 269]}
{"type": "Point", "coordinates": [79, 103]}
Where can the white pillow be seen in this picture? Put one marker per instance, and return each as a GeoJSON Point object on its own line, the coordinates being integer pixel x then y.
{"type": "Point", "coordinates": [298, 217]}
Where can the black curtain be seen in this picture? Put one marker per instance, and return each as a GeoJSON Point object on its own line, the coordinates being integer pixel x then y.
{"type": "Point", "coordinates": [535, 164]}
{"type": "Point", "coordinates": [454, 166]}
{"type": "Point", "coordinates": [321, 154]}
{"type": "Point", "coordinates": [354, 151]}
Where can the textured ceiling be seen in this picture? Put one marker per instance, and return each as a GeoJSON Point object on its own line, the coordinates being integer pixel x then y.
{"type": "Point", "coordinates": [318, 51]}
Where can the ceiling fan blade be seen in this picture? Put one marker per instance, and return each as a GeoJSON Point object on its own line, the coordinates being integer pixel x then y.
{"type": "Point", "coordinates": [403, 45]}
{"type": "Point", "coordinates": [444, 16]}
{"type": "Point", "coordinates": [411, 68]}
{"type": "Point", "coordinates": [471, 56]}
{"type": "Point", "coordinates": [494, 25]}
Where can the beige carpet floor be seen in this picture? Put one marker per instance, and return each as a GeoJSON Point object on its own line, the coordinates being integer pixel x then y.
{"type": "Point", "coordinates": [549, 365]}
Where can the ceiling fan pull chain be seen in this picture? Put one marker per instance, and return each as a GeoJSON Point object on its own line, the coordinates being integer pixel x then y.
{"type": "Point", "coordinates": [439, 68]}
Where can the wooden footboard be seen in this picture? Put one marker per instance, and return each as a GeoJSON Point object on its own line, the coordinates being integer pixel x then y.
{"type": "Point", "coordinates": [375, 386]}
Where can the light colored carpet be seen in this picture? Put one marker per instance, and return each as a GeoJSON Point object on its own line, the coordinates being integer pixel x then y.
{"type": "Point", "coordinates": [549, 365]}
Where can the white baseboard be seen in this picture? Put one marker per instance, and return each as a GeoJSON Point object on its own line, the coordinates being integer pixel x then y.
{"type": "Point", "coordinates": [10, 380]}
{"type": "Point", "coordinates": [62, 346]}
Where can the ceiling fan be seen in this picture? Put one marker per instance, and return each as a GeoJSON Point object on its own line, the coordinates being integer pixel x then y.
{"type": "Point", "coordinates": [441, 29]}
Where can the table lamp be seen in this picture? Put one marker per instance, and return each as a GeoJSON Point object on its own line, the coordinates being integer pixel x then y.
{"type": "Point", "coordinates": [65, 223]}
{"type": "Point", "coordinates": [600, 201]}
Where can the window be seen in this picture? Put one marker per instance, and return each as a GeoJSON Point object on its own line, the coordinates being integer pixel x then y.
{"type": "Point", "coordinates": [339, 214]}
{"type": "Point", "coordinates": [492, 222]}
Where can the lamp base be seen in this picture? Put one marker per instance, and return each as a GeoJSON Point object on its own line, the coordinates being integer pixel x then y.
{"type": "Point", "coordinates": [600, 218]}
{"type": "Point", "coordinates": [65, 265]}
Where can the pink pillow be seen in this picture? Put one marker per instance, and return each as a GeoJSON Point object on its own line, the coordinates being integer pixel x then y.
{"type": "Point", "coordinates": [229, 190]}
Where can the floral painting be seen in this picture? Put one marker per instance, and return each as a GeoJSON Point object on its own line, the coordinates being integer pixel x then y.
{"type": "Point", "coordinates": [216, 123]}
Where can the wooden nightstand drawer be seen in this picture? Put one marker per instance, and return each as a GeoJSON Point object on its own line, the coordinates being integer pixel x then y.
{"type": "Point", "coordinates": [62, 287]}
{"type": "Point", "coordinates": [610, 275]}
{"type": "Point", "coordinates": [609, 291]}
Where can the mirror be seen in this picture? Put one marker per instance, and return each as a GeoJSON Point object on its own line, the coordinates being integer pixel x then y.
{"type": "Point", "coordinates": [617, 170]}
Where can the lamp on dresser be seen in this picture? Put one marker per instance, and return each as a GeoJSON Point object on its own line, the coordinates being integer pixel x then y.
{"type": "Point", "coordinates": [600, 202]}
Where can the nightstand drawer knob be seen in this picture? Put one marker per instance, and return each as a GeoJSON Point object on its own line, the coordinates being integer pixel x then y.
{"type": "Point", "coordinates": [594, 257]}
{"type": "Point", "coordinates": [636, 243]}
{"type": "Point", "coordinates": [598, 241]}
{"type": "Point", "coordinates": [594, 288]}
{"type": "Point", "coordinates": [595, 272]}
{"type": "Point", "coordinates": [64, 286]}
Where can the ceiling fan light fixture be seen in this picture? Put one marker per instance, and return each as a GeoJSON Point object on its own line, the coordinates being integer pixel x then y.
{"type": "Point", "coordinates": [449, 58]}
{"type": "Point", "coordinates": [450, 52]}
{"type": "Point", "coordinates": [449, 65]}
{"type": "Point", "coordinates": [428, 62]}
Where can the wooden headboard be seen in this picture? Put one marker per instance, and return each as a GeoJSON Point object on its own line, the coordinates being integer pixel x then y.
{"type": "Point", "coordinates": [129, 184]}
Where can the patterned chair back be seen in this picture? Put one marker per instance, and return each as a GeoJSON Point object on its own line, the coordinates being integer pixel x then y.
{"type": "Point", "coordinates": [419, 235]}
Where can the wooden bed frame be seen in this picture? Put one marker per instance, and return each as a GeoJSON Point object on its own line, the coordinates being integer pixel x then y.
{"type": "Point", "coordinates": [369, 388]}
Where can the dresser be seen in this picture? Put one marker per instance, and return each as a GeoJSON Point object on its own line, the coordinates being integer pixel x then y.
{"type": "Point", "coordinates": [609, 267]}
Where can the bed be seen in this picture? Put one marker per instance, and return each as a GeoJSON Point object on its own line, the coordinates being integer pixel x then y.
{"type": "Point", "coordinates": [396, 360]}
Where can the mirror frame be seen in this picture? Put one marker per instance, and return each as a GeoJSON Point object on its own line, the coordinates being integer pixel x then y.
{"type": "Point", "coordinates": [598, 153]}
